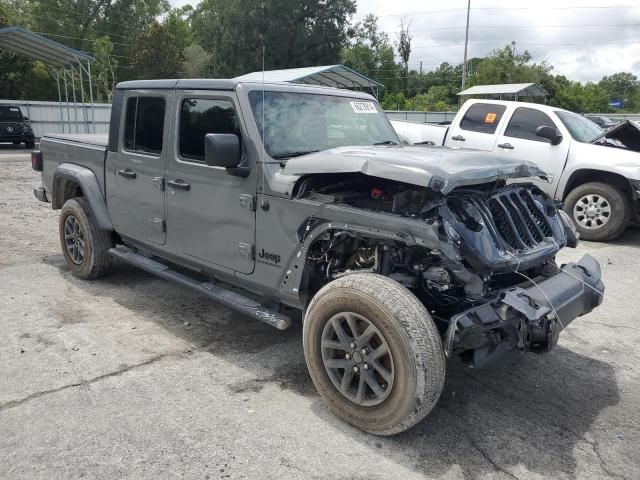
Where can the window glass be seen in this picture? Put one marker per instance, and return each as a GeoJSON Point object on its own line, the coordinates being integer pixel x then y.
{"type": "Point", "coordinates": [299, 123]}
{"type": "Point", "coordinates": [10, 114]}
{"type": "Point", "coordinates": [581, 128]}
{"type": "Point", "coordinates": [525, 121]}
{"type": "Point", "coordinates": [199, 116]}
{"type": "Point", "coordinates": [144, 124]}
{"type": "Point", "coordinates": [482, 118]}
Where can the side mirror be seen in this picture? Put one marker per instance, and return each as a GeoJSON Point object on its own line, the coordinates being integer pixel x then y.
{"type": "Point", "coordinates": [550, 133]}
{"type": "Point", "coordinates": [221, 150]}
{"type": "Point", "coordinates": [26, 119]}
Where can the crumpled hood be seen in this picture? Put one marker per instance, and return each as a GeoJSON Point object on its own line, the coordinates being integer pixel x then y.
{"type": "Point", "coordinates": [438, 168]}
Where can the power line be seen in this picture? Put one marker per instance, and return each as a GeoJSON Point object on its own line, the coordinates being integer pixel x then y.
{"type": "Point", "coordinates": [78, 38]}
{"type": "Point", "coordinates": [92, 30]}
{"type": "Point", "coordinates": [79, 14]}
{"type": "Point", "coordinates": [457, 27]}
{"type": "Point", "coordinates": [525, 44]}
{"type": "Point", "coordinates": [449, 10]}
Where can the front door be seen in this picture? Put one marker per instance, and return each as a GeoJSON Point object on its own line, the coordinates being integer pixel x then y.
{"type": "Point", "coordinates": [210, 213]}
{"type": "Point", "coordinates": [519, 140]}
{"type": "Point", "coordinates": [134, 174]}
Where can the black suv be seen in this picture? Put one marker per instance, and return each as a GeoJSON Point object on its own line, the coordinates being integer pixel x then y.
{"type": "Point", "coordinates": [14, 127]}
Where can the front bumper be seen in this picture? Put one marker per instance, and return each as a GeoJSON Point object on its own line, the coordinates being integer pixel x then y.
{"type": "Point", "coordinates": [527, 319]}
{"type": "Point", "coordinates": [16, 137]}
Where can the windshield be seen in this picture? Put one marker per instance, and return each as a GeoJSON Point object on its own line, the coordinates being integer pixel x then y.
{"type": "Point", "coordinates": [300, 123]}
{"type": "Point", "coordinates": [10, 114]}
{"type": "Point", "coordinates": [581, 128]}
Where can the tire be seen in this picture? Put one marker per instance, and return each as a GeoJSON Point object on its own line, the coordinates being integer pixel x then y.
{"type": "Point", "coordinates": [417, 360]}
{"type": "Point", "coordinates": [90, 258]}
{"type": "Point", "coordinates": [30, 144]}
{"type": "Point", "coordinates": [619, 214]}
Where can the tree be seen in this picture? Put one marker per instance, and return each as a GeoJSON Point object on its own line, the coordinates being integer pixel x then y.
{"type": "Point", "coordinates": [404, 51]}
{"type": "Point", "coordinates": [196, 62]}
{"type": "Point", "coordinates": [371, 54]}
{"type": "Point", "coordinates": [507, 66]}
{"type": "Point", "coordinates": [156, 54]}
{"type": "Point", "coordinates": [623, 86]}
{"type": "Point", "coordinates": [103, 68]}
{"type": "Point", "coordinates": [294, 33]}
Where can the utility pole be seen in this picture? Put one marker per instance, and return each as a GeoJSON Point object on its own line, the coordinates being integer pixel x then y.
{"type": "Point", "coordinates": [466, 42]}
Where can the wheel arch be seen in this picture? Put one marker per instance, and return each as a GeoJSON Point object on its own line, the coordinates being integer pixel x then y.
{"type": "Point", "coordinates": [292, 283]}
{"type": "Point", "coordinates": [586, 175]}
{"type": "Point", "coordinates": [71, 181]}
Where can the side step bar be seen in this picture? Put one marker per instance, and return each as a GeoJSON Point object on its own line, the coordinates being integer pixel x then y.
{"type": "Point", "coordinates": [218, 294]}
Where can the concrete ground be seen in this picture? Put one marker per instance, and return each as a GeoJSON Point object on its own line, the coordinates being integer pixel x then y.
{"type": "Point", "coordinates": [133, 377]}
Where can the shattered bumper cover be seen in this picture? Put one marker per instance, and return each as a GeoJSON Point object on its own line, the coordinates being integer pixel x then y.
{"type": "Point", "coordinates": [527, 319]}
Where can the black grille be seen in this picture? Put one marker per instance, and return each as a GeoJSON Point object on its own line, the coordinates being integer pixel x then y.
{"type": "Point", "coordinates": [518, 220]}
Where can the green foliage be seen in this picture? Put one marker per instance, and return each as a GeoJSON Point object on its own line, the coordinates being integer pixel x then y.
{"type": "Point", "coordinates": [103, 68]}
{"type": "Point", "coordinates": [623, 86]}
{"type": "Point", "coordinates": [221, 38]}
{"type": "Point", "coordinates": [294, 33]}
{"type": "Point", "coordinates": [196, 62]}
{"type": "Point", "coordinates": [157, 54]}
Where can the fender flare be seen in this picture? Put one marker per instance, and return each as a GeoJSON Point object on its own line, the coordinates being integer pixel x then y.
{"type": "Point", "coordinates": [90, 187]}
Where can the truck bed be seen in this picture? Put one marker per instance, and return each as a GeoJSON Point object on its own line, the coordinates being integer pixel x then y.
{"type": "Point", "coordinates": [97, 139]}
{"type": "Point", "coordinates": [85, 149]}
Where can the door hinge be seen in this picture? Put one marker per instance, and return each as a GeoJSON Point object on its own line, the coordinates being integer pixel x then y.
{"type": "Point", "coordinates": [158, 182]}
{"type": "Point", "coordinates": [248, 201]}
{"type": "Point", "coordinates": [246, 250]}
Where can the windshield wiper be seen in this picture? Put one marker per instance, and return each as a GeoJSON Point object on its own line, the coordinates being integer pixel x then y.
{"type": "Point", "coordinates": [387, 142]}
{"type": "Point", "coordinates": [293, 154]}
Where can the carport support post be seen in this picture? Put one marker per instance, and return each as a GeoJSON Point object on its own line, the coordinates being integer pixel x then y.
{"type": "Point", "coordinates": [66, 98]}
{"type": "Point", "coordinates": [59, 99]}
{"type": "Point", "coordinates": [84, 111]}
{"type": "Point", "coordinates": [72, 72]}
{"type": "Point", "coordinates": [93, 120]}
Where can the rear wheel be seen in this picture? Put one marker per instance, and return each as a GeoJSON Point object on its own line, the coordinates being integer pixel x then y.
{"type": "Point", "coordinates": [84, 245]}
{"type": "Point", "coordinates": [599, 211]}
{"type": "Point", "coordinates": [374, 353]}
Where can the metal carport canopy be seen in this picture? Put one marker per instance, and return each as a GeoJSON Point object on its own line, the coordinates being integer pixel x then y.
{"type": "Point", "coordinates": [517, 89]}
{"type": "Point", "coordinates": [36, 46]}
{"type": "Point", "coordinates": [337, 76]}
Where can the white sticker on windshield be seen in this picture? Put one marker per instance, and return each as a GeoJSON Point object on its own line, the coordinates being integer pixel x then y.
{"type": "Point", "coordinates": [363, 107]}
{"type": "Point", "coordinates": [14, 109]}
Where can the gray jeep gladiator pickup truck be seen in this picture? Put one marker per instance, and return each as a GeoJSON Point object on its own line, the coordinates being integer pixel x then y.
{"type": "Point", "coordinates": [277, 198]}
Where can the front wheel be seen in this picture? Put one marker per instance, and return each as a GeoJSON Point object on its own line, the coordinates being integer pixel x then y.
{"type": "Point", "coordinates": [30, 144]}
{"type": "Point", "coordinates": [373, 353]}
{"type": "Point", "coordinates": [599, 211]}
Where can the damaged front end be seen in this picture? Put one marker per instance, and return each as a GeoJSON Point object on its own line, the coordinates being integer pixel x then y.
{"type": "Point", "coordinates": [526, 319]}
{"type": "Point", "coordinates": [484, 265]}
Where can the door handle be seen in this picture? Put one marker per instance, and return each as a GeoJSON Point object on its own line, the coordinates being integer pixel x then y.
{"type": "Point", "coordinates": [179, 184]}
{"type": "Point", "coordinates": [127, 173]}
{"type": "Point", "coordinates": [458, 138]}
{"type": "Point", "coordinates": [508, 146]}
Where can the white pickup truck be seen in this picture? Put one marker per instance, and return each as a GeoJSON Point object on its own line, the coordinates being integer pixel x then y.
{"type": "Point", "coordinates": [595, 173]}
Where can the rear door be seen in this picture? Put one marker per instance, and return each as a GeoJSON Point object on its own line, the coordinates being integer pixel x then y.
{"type": "Point", "coordinates": [477, 127]}
{"type": "Point", "coordinates": [134, 176]}
{"type": "Point", "coordinates": [210, 213]}
{"type": "Point", "coordinates": [519, 139]}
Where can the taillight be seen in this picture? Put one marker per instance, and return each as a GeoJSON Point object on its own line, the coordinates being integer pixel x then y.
{"type": "Point", "coordinates": [36, 160]}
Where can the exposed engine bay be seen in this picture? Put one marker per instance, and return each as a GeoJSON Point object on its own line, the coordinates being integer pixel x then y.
{"type": "Point", "coordinates": [507, 236]}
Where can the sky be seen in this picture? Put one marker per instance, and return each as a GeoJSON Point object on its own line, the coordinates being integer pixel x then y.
{"type": "Point", "coordinates": [583, 39]}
